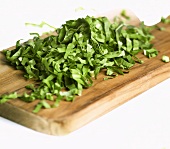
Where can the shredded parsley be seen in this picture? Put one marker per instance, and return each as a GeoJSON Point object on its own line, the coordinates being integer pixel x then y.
{"type": "Point", "coordinates": [66, 63]}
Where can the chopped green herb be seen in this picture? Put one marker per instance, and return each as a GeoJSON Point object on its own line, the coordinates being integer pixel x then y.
{"type": "Point", "coordinates": [151, 52]}
{"type": "Point", "coordinates": [41, 25]}
{"type": "Point", "coordinates": [162, 28]}
{"type": "Point", "coordinates": [41, 104]}
{"type": "Point", "coordinates": [64, 64]}
{"type": "Point", "coordinates": [123, 14]}
{"type": "Point", "coordinates": [79, 9]}
{"type": "Point", "coordinates": [165, 20]}
{"type": "Point", "coordinates": [107, 78]}
{"type": "Point", "coordinates": [165, 59]}
{"type": "Point", "coordinates": [4, 98]}
{"type": "Point", "coordinates": [158, 27]}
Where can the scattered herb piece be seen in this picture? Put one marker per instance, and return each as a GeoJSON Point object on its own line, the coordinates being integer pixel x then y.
{"type": "Point", "coordinates": [151, 52]}
{"type": "Point", "coordinates": [124, 14]}
{"type": "Point", "coordinates": [165, 20]}
{"type": "Point", "coordinates": [6, 97]}
{"type": "Point", "coordinates": [42, 24]}
{"type": "Point", "coordinates": [79, 9]}
{"type": "Point", "coordinates": [40, 105]}
{"type": "Point", "coordinates": [109, 77]}
{"type": "Point", "coordinates": [158, 27]}
{"type": "Point", "coordinates": [165, 59]}
{"type": "Point", "coordinates": [162, 28]}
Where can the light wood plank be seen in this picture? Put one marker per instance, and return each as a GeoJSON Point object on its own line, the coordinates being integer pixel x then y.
{"type": "Point", "coordinates": [101, 98]}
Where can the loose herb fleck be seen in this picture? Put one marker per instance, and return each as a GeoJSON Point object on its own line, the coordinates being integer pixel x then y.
{"type": "Point", "coordinates": [165, 20]}
{"type": "Point", "coordinates": [79, 9]}
{"type": "Point", "coordinates": [124, 14]}
{"type": "Point", "coordinates": [165, 59]}
{"type": "Point", "coordinates": [65, 64]}
{"type": "Point", "coordinates": [42, 24]}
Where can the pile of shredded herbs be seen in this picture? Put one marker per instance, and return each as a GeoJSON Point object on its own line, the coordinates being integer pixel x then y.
{"type": "Point", "coordinates": [64, 64]}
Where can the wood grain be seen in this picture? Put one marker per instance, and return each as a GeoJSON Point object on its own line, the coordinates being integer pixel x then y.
{"type": "Point", "coordinates": [101, 98]}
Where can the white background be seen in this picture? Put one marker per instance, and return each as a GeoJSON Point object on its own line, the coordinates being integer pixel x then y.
{"type": "Point", "coordinates": [142, 123]}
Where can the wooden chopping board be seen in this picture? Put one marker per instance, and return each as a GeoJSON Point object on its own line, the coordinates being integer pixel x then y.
{"type": "Point", "coordinates": [99, 99]}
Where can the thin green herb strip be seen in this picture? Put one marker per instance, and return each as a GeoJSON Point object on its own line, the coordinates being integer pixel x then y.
{"type": "Point", "coordinates": [66, 63]}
